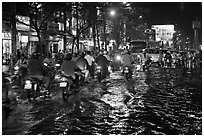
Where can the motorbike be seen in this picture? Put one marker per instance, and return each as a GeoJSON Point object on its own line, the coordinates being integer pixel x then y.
{"type": "Point", "coordinates": [99, 73]}
{"type": "Point", "coordinates": [9, 100]}
{"type": "Point", "coordinates": [168, 63]}
{"type": "Point", "coordinates": [66, 84]}
{"type": "Point", "coordinates": [35, 86]}
{"type": "Point", "coordinates": [127, 73]}
{"type": "Point", "coordinates": [16, 77]}
{"type": "Point", "coordinates": [116, 63]}
{"type": "Point", "coordinates": [147, 64]}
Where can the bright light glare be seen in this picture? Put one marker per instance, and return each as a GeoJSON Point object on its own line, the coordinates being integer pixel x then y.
{"type": "Point", "coordinates": [112, 12]}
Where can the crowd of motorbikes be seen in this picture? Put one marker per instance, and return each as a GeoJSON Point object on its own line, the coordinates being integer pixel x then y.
{"type": "Point", "coordinates": [34, 87]}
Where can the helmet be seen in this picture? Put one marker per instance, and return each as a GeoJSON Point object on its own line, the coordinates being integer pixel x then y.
{"type": "Point", "coordinates": [105, 52]}
{"type": "Point", "coordinates": [82, 54]}
{"type": "Point", "coordinates": [101, 53]}
{"type": "Point", "coordinates": [126, 52]}
{"type": "Point", "coordinates": [35, 55]}
{"type": "Point", "coordinates": [69, 56]}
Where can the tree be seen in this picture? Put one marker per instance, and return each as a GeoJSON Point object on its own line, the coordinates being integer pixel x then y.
{"type": "Point", "coordinates": [40, 14]}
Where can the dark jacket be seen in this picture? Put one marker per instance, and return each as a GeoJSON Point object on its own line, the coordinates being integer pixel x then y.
{"type": "Point", "coordinates": [35, 67]}
{"type": "Point", "coordinates": [69, 68]}
{"type": "Point", "coordinates": [82, 63]}
{"type": "Point", "coordinates": [102, 61]}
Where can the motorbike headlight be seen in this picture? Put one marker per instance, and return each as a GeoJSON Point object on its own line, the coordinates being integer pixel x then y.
{"type": "Point", "coordinates": [45, 64]}
{"type": "Point", "coordinates": [15, 72]}
{"type": "Point", "coordinates": [118, 57]}
{"type": "Point", "coordinates": [57, 65]}
{"type": "Point", "coordinates": [98, 67]}
{"type": "Point", "coordinates": [16, 67]}
{"type": "Point", "coordinates": [63, 79]}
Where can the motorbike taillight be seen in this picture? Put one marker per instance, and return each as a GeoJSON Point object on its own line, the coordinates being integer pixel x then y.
{"type": "Point", "coordinates": [98, 67]}
{"type": "Point", "coordinates": [63, 79]}
{"type": "Point", "coordinates": [57, 76]}
{"type": "Point", "coordinates": [28, 82]}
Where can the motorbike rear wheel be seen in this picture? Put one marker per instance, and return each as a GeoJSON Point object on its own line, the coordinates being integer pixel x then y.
{"type": "Point", "coordinates": [99, 77]}
{"type": "Point", "coordinates": [66, 92]}
{"type": "Point", "coordinates": [31, 95]}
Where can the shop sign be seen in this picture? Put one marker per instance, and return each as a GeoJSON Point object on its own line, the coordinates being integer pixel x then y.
{"type": "Point", "coordinates": [24, 39]}
{"type": "Point", "coordinates": [163, 32]}
{"type": "Point", "coordinates": [6, 35]}
{"type": "Point", "coordinates": [23, 23]}
{"type": "Point", "coordinates": [196, 25]}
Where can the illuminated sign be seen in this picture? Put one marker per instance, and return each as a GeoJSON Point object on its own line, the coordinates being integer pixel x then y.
{"type": "Point", "coordinates": [196, 25]}
{"type": "Point", "coordinates": [22, 23]}
{"type": "Point", "coordinates": [6, 35]}
{"type": "Point", "coordinates": [164, 32]}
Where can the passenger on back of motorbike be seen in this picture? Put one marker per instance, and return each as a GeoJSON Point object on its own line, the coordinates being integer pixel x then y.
{"type": "Point", "coordinates": [127, 60]}
{"type": "Point", "coordinates": [69, 69]}
{"type": "Point", "coordinates": [37, 70]}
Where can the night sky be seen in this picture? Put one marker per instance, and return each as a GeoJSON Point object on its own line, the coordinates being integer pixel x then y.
{"type": "Point", "coordinates": [180, 13]}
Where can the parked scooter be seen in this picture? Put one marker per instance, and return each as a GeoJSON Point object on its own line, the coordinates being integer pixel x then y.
{"type": "Point", "coordinates": [9, 101]}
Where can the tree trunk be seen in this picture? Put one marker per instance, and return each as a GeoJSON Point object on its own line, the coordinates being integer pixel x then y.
{"type": "Point", "coordinates": [14, 32]}
{"type": "Point", "coordinates": [73, 45]}
{"type": "Point", "coordinates": [65, 30]}
{"type": "Point", "coordinates": [94, 36]}
{"type": "Point", "coordinates": [77, 29]}
{"type": "Point", "coordinates": [97, 35]}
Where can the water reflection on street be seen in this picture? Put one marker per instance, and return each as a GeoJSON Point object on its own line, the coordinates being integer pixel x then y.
{"type": "Point", "coordinates": [159, 101]}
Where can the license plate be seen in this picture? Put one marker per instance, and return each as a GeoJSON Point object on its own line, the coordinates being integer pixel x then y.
{"type": "Point", "coordinates": [126, 71]}
{"type": "Point", "coordinates": [63, 84]}
{"type": "Point", "coordinates": [28, 86]}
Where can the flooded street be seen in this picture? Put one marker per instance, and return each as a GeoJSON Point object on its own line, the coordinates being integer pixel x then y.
{"type": "Point", "coordinates": [157, 102]}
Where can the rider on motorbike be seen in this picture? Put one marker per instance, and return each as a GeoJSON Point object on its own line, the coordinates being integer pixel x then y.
{"type": "Point", "coordinates": [90, 59]}
{"type": "Point", "coordinates": [49, 60]}
{"type": "Point", "coordinates": [102, 61]}
{"type": "Point", "coordinates": [82, 63]}
{"type": "Point", "coordinates": [127, 60]}
{"type": "Point", "coordinates": [168, 58]}
{"type": "Point", "coordinates": [69, 68]}
{"type": "Point", "coordinates": [37, 70]}
{"type": "Point", "coordinates": [22, 64]}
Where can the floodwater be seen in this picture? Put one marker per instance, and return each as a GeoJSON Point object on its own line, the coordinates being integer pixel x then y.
{"type": "Point", "coordinates": [157, 102]}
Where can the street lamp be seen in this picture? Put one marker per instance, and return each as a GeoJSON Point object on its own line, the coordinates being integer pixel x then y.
{"type": "Point", "coordinates": [112, 13]}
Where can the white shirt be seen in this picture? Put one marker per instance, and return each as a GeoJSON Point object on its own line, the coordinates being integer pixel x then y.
{"type": "Point", "coordinates": [89, 59]}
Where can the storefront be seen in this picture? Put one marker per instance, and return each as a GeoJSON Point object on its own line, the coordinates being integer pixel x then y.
{"type": "Point", "coordinates": [6, 45]}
